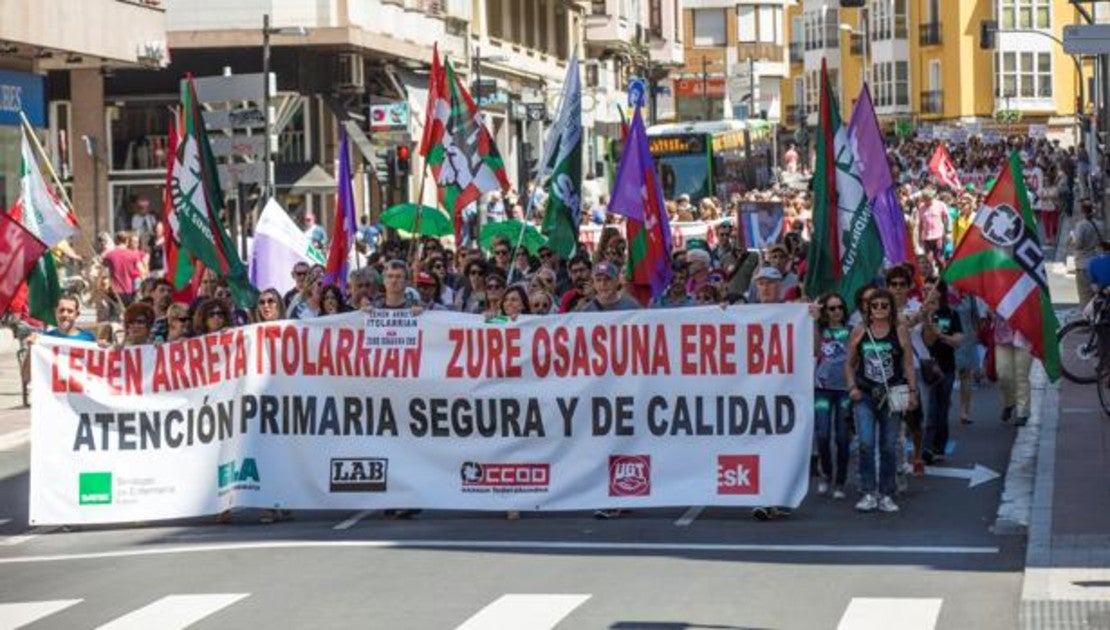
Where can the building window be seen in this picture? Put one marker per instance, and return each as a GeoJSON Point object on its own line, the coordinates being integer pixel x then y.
{"type": "Point", "coordinates": [892, 84]}
{"type": "Point", "coordinates": [709, 27]}
{"type": "Point", "coordinates": [1024, 74]}
{"type": "Point", "coordinates": [1025, 14]}
{"type": "Point", "coordinates": [888, 19]}
{"type": "Point", "coordinates": [746, 23]}
{"type": "Point", "coordinates": [597, 7]}
{"type": "Point", "coordinates": [769, 20]}
{"type": "Point", "coordinates": [655, 18]}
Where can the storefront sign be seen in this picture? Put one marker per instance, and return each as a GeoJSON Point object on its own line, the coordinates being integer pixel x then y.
{"type": "Point", "coordinates": [389, 117]}
{"type": "Point", "coordinates": [22, 91]}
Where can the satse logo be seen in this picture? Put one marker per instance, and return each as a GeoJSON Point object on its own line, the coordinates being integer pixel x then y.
{"type": "Point", "coordinates": [738, 474]}
{"type": "Point", "coordinates": [358, 474]}
{"type": "Point", "coordinates": [94, 488]}
{"type": "Point", "coordinates": [238, 476]}
{"type": "Point", "coordinates": [629, 475]}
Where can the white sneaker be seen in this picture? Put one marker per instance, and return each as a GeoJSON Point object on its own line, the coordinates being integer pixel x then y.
{"type": "Point", "coordinates": [886, 504]}
{"type": "Point", "coordinates": [905, 468]}
{"type": "Point", "coordinates": [838, 494]}
{"type": "Point", "coordinates": [822, 487]}
{"type": "Point", "coordinates": [868, 503]}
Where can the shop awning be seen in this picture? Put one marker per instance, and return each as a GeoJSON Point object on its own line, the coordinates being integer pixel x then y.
{"type": "Point", "coordinates": [303, 178]}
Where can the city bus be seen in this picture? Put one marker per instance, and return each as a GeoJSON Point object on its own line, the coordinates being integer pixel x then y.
{"type": "Point", "coordinates": [712, 158]}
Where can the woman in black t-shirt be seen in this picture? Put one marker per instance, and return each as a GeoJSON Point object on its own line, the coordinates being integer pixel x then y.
{"type": "Point", "coordinates": [943, 333]}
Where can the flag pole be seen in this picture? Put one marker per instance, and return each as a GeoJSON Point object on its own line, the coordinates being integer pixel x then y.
{"type": "Point", "coordinates": [30, 131]}
{"type": "Point", "coordinates": [419, 217]}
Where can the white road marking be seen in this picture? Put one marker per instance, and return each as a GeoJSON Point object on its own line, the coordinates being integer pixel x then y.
{"type": "Point", "coordinates": [880, 613]}
{"type": "Point", "coordinates": [173, 611]}
{"type": "Point", "coordinates": [20, 614]}
{"type": "Point", "coordinates": [505, 544]}
{"type": "Point", "coordinates": [349, 523]}
{"type": "Point", "coordinates": [5, 521]}
{"type": "Point", "coordinates": [11, 541]}
{"type": "Point", "coordinates": [15, 439]}
{"type": "Point", "coordinates": [524, 612]}
{"type": "Point", "coordinates": [1079, 409]}
{"type": "Point", "coordinates": [689, 515]}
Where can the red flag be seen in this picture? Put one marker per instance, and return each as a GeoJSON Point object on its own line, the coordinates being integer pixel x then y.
{"type": "Point", "coordinates": [941, 165]}
{"type": "Point", "coordinates": [19, 251]}
{"type": "Point", "coordinates": [172, 248]}
{"type": "Point", "coordinates": [438, 106]}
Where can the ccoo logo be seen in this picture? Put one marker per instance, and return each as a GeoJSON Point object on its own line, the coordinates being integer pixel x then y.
{"type": "Point", "coordinates": [629, 475]}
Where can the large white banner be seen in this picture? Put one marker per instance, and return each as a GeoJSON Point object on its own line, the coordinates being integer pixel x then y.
{"type": "Point", "coordinates": [697, 406]}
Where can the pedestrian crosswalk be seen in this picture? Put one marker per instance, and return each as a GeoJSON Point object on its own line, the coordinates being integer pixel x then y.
{"type": "Point", "coordinates": [520, 611]}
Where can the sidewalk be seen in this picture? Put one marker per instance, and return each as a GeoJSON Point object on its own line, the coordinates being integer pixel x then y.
{"type": "Point", "coordinates": [15, 419]}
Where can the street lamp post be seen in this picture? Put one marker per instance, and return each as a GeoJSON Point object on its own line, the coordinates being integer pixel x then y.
{"type": "Point", "coordinates": [705, 86]}
{"type": "Point", "coordinates": [267, 31]}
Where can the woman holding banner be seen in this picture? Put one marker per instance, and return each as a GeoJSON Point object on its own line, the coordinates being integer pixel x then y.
{"type": "Point", "coordinates": [882, 385]}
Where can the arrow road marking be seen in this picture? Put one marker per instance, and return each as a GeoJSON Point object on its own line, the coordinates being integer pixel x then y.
{"type": "Point", "coordinates": [524, 612]}
{"type": "Point", "coordinates": [975, 476]}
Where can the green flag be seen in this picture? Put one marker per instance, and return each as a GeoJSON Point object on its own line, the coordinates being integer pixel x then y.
{"type": "Point", "coordinates": [845, 252]}
{"type": "Point", "coordinates": [198, 200]}
{"type": "Point", "coordinates": [562, 166]}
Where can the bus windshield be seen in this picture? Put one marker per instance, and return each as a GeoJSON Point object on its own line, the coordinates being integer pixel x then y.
{"type": "Point", "coordinates": [684, 174]}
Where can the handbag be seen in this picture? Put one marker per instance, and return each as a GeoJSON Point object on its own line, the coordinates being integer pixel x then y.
{"type": "Point", "coordinates": [931, 372]}
{"type": "Point", "coordinates": [897, 396]}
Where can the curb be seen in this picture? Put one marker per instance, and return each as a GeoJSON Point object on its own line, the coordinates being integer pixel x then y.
{"type": "Point", "coordinates": [1022, 472]}
{"type": "Point", "coordinates": [15, 439]}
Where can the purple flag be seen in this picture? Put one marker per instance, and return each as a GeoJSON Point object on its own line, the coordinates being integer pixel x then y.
{"type": "Point", "coordinates": [343, 231]}
{"type": "Point", "coordinates": [638, 196]}
{"type": "Point", "coordinates": [867, 143]}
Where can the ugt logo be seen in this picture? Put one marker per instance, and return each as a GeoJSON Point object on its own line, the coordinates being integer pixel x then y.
{"type": "Point", "coordinates": [629, 475]}
{"type": "Point", "coordinates": [240, 475]}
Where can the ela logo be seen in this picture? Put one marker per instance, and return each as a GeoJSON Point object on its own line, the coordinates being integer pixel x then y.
{"type": "Point", "coordinates": [94, 488]}
{"type": "Point", "coordinates": [738, 474]}
{"type": "Point", "coordinates": [245, 474]}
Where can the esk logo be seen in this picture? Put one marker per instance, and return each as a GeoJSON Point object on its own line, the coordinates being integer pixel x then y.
{"type": "Point", "coordinates": [239, 475]}
{"type": "Point", "coordinates": [738, 474]}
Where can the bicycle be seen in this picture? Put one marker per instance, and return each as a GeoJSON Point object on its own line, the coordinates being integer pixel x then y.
{"type": "Point", "coordinates": [21, 332]}
{"type": "Point", "coordinates": [1079, 343]}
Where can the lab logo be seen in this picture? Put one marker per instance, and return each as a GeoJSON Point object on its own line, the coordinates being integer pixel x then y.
{"type": "Point", "coordinates": [1002, 225]}
{"type": "Point", "coordinates": [358, 474]}
{"type": "Point", "coordinates": [629, 475]}
{"type": "Point", "coordinates": [738, 474]}
{"type": "Point", "coordinates": [94, 488]}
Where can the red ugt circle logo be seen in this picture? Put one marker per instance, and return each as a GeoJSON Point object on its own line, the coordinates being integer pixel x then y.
{"type": "Point", "coordinates": [629, 475]}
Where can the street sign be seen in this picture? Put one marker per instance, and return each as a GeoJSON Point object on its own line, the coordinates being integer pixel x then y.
{"type": "Point", "coordinates": [233, 87]}
{"type": "Point", "coordinates": [248, 118]}
{"type": "Point", "coordinates": [1087, 39]}
{"type": "Point", "coordinates": [389, 116]}
{"type": "Point", "coordinates": [232, 175]}
{"type": "Point", "coordinates": [637, 92]}
{"type": "Point", "coordinates": [536, 111]}
{"type": "Point", "coordinates": [1038, 131]}
{"type": "Point", "coordinates": [242, 146]}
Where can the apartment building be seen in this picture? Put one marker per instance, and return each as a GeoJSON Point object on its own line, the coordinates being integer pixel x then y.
{"type": "Point", "coordinates": [38, 53]}
{"type": "Point", "coordinates": [925, 65]}
{"type": "Point", "coordinates": [735, 60]}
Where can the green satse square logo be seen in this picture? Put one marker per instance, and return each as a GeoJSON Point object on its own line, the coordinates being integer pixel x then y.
{"type": "Point", "coordinates": [95, 488]}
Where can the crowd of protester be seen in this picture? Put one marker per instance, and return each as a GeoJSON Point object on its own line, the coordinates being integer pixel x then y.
{"type": "Point", "coordinates": [907, 329]}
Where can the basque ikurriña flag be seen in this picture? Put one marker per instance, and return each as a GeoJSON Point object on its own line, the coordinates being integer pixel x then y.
{"type": "Point", "coordinates": [1001, 261]}
{"type": "Point", "coordinates": [638, 196]}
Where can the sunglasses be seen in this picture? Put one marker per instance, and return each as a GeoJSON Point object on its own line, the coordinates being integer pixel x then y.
{"type": "Point", "coordinates": [541, 306]}
{"type": "Point", "coordinates": [268, 301]}
{"type": "Point", "coordinates": [220, 314]}
{"type": "Point", "coordinates": [705, 299]}
{"type": "Point", "coordinates": [139, 322]}
{"type": "Point", "coordinates": [475, 272]}
{"type": "Point", "coordinates": [437, 265]}
{"type": "Point", "coordinates": [898, 284]}
{"type": "Point", "coordinates": [494, 286]}
{"type": "Point", "coordinates": [181, 320]}
{"type": "Point", "coordinates": [834, 307]}
{"type": "Point", "coordinates": [500, 252]}
{"type": "Point", "coordinates": [299, 274]}
{"type": "Point", "coordinates": [879, 305]}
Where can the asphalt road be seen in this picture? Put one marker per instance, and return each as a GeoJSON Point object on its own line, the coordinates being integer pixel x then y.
{"type": "Point", "coordinates": [935, 564]}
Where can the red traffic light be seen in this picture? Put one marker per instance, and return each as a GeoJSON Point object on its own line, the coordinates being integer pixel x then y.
{"type": "Point", "coordinates": [402, 152]}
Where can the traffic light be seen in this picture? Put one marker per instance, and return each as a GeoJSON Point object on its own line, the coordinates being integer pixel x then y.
{"type": "Point", "coordinates": [987, 31]}
{"type": "Point", "coordinates": [401, 160]}
{"type": "Point", "coordinates": [853, 4]}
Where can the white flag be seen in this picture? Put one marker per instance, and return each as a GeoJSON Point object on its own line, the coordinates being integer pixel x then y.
{"type": "Point", "coordinates": [278, 245]}
{"type": "Point", "coordinates": [43, 215]}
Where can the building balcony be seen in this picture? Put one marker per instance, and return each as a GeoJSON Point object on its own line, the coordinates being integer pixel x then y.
{"type": "Point", "coordinates": [885, 31]}
{"type": "Point", "coordinates": [932, 103]}
{"type": "Point", "coordinates": [90, 29]}
{"type": "Point", "coordinates": [855, 46]}
{"type": "Point", "coordinates": [930, 34]}
{"type": "Point", "coordinates": [749, 50]}
{"type": "Point", "coordinates": [797, 52]}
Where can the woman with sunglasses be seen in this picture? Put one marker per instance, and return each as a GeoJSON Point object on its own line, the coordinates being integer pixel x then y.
{"type": "Point", "coordinates": [179, 326]}
{"type": "Point", "coordinates": [270, 308]}
{"type": "Point", "coordinates": [237, 316]}
{"type": "Point", "coordinates": [469, 298]}
{"type": "Point", "coordinates": [137, 320]}
{"type": "Point", "coordinates": [830, 401]}
{"type": "Point", "coordinates": [540, 302]}
{"type": "Point", "coordinates": [879, 358]}
{"type": "Point", "coordinates": [212, 315]}
{"type": "Point", "coordinates": [494, 292]}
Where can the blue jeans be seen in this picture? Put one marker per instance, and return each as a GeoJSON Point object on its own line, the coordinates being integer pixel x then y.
{"type": "Point", "coordinates": [936, 423]}
{"type": "Point", "coordinates": [874, 421]}
{"type": "Point", "coordinates": [831, 410]}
